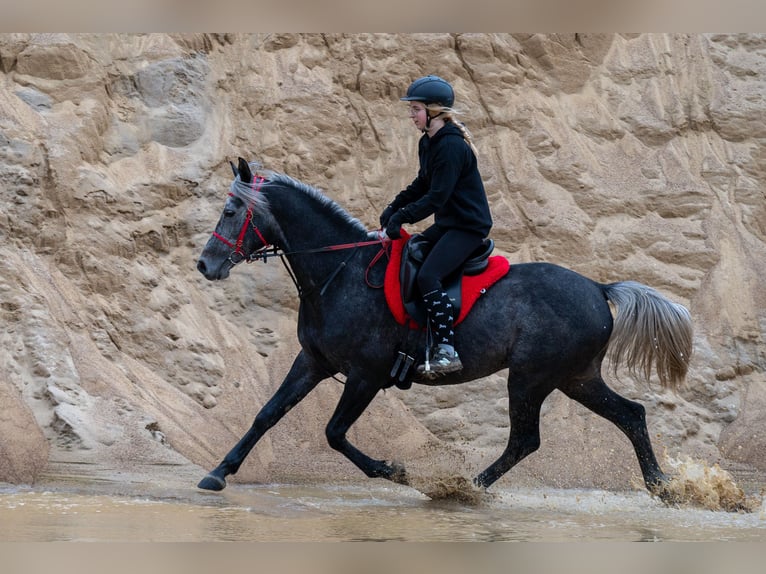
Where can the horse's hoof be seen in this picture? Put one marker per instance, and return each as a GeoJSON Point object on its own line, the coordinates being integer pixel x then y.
{"type": "Point", "coordinates": [398, 474]}
{"type": "Point", "coordinates": [212, 482]}
{"type": "Point", "coordinates": [660, 489]}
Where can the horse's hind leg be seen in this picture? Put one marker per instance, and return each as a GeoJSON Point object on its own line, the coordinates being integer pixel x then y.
{"type": "Point", "coordinates": [300, 381]}
{"type": "Point", "coordinates": [630, 418]}
{"type": "Point", "coordinates": [524, 412]}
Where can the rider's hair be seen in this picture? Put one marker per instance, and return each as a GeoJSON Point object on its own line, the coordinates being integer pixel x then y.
{"type": "Point", "coordinates": [448, 114]}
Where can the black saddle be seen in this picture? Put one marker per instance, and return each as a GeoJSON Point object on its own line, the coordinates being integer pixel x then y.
{"type": "Point", "coordinates": [414, 253]}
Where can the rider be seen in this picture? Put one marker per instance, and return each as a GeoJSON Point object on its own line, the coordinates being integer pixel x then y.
{"type": "Point", "coordinates": [449, 186]}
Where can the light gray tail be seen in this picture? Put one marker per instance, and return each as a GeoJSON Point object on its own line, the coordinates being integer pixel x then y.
{"type": "Point", "coordinates": [649, 329]}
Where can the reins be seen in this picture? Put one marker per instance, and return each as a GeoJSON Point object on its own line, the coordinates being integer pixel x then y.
{"type": "Point", "coordinates": [271, 251]}
{"type": "Point", "coordinates": [268, 250]}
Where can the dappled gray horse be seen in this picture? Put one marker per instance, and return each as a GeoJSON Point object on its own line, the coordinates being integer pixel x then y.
{"type": "Point", "coordinates": [549, 326]}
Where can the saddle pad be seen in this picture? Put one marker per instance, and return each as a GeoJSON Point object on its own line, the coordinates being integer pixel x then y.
{"type": "Point", "coordinates": [471, 287]}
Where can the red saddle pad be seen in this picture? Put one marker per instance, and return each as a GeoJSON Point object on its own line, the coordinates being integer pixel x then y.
{"type": "Point", "coordinates": [471, 290]}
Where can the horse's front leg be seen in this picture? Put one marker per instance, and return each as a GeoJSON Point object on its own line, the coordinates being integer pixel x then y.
{"type": "Point", "coordinates": [303, 377]}
{"type": "Point", "coordinates": [357, 396]}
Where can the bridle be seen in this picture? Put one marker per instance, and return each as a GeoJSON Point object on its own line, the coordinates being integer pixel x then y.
{"type": "Point", "coordinates": [237, 255]}
{"type": "Point", "coordinates": [237, 247]}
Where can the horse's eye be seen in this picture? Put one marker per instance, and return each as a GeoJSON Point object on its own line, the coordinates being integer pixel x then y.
{"type": "Point", "coordinates": [229, 212]}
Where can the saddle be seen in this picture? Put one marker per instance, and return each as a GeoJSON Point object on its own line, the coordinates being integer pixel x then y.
{"type": "Point", "coordinates": [463, 287]}
{"type": "Point", "coordinates": [414, 253]}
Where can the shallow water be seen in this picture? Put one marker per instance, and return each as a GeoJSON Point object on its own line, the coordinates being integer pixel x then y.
{"type": "Point", "coordinates": [365, 511]}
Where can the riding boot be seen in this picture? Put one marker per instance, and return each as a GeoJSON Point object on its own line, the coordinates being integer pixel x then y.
{"type": "Point", "coordinates": [441, 319]}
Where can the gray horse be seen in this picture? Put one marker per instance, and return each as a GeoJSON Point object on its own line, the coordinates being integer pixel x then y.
{"type": "Point", "coordinates": [549, 326]}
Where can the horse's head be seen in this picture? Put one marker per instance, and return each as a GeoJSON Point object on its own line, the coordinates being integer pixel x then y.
{"type": "Point", "coordinates": [240, 229]}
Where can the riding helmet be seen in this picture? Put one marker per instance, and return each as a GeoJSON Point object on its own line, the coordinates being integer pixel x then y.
{"type": "Point", "coordinates": [430, 90]}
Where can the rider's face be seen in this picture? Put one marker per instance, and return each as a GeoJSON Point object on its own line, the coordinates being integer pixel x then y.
{"type": "Point", "coordinates": [418, 114]}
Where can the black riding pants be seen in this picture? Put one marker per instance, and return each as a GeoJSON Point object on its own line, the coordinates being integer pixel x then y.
{"type": "Point", "coordinates": [451, 247]}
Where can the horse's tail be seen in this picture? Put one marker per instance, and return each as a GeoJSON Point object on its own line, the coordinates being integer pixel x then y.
{"type": "Point", "coordinates": [649, 329]}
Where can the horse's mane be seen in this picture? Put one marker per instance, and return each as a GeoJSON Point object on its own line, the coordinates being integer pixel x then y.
{"type": "Point", "coordinates": [249, 192]}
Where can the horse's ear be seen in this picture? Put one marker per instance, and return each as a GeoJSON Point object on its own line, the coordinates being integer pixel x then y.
{"type": "Point", "coordinates": [233, 168]}
{"type": "Point", "coordinates": [244, 171]}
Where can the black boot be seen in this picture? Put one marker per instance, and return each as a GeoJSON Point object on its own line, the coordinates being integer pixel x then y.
{"type": "Point", "coordinates": [441, 319]}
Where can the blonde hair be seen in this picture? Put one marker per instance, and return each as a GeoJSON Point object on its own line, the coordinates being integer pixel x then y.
{"type": "Point", "coordinates": [448, 114]}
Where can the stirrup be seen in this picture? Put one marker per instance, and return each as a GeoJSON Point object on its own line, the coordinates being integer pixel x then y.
{"type": "Point", "coordinates": [442, 363]}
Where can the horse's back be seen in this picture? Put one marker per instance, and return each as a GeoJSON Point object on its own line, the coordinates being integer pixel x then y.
{"type": "Point", "coordinates": [546, 315]}
{"type": "Point", "coordinates": [554, 284]}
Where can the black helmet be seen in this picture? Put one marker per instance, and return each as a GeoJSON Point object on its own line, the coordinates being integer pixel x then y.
{"type": "Point", "coordinates": [430, 90]}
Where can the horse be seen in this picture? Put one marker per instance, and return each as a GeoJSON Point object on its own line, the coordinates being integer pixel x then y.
{"type": "Point", "coordinates": [549, 326]}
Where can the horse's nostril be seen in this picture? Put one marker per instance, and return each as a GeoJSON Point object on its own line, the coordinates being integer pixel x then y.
{"type": "Point", "coordinates": [201, 267]}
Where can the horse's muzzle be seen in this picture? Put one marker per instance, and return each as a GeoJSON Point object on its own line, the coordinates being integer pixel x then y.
{"type": "Point", "coordinates": [212, 275]}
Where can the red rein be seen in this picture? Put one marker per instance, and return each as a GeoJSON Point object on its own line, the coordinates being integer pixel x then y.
{"type": "Point", "coordinates": [237, 247]}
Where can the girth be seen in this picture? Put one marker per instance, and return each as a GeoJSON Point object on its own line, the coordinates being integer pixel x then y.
{"type": "Point", "coordinates": [414, 253]}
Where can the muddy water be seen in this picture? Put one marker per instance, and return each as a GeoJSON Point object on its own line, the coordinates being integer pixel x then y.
{"type": "Point", "coordinates": [368, 510]}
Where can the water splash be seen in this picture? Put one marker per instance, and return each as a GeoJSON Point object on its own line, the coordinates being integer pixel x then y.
{"type": "Point", "coordinates": [697, 484]}
{"type": "Point", "coordinates": [452, 488]}
{"type": "Point", "coordinates": [437, 474]}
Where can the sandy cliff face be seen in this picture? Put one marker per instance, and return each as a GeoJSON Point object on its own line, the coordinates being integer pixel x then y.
{"type": "Point", "coordinates": [621, 156]}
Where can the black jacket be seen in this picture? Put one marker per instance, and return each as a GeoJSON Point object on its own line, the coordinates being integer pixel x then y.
{"type": "Point", "coordinates": [448, 185]}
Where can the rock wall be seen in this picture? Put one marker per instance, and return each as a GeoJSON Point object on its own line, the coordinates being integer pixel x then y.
{"type": "Point", "coordinates": [621, 156]}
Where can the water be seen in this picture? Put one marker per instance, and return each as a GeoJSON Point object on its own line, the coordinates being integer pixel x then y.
{"type": "Point", "coordinates": [367, 510]}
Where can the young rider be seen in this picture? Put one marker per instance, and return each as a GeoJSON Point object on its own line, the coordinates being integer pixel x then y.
{"type": "Point", "coordinates": [449, 187]}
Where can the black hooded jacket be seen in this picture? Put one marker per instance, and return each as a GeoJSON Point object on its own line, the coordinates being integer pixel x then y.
{"type": "Point", "coordinates": [448, 185]}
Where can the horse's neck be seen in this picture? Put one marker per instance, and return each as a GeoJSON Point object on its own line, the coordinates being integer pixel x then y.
{"type": "Point", "coordinates": [307, 224]}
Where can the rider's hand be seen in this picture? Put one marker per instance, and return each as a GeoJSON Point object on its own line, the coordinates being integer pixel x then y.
{"type": "Point", "coordinates": [394, 226]}
{"type": "Point", "coordinates": [387, 213]}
